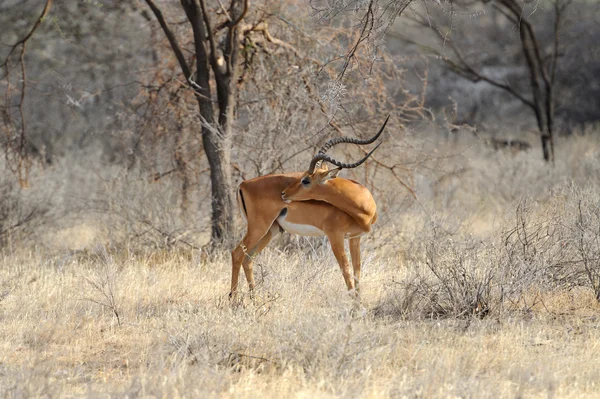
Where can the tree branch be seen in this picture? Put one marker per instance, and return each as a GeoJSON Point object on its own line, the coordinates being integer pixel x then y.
{"type": "Point", "coordinates": [193, 10]}
{"type": "Point", "coordinates": [363, 35]}
{"type": "Point", "coordinates": [24, 40]}
{"type": "Point", "coordinates": [172, 40]}
{"type": "Point", "coordinates": [465, 69]}
{"type": "Point", "coordinates": [263, 28]}
{"type": "Point", "coordinates": [22, 161]}
{"type": "Point", "coordinates": [230, 48]}
{"type": "Point", "coordinates": [211, 40]}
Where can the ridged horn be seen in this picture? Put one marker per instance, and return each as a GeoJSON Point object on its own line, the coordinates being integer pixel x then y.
{"type": "Point", "coordinates": [324, 157]}
{"type": "Point", "coordinates": [339, 140]}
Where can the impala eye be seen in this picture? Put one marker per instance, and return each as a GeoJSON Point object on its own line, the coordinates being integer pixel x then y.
{"type": "Point", "coordinates": [305, 181]}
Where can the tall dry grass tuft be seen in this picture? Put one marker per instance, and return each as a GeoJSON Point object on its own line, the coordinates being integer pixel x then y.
{"type": "Point", "coordinates": [301, 336]}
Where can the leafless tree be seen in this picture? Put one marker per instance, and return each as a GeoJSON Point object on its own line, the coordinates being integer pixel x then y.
{"type": "Point", "coordinates": [217, 56]}
{"type": "Point", "coordinates": [539, 55]}
{"type": "Point", "coordinates": [226, 41]}
{"type": "Point", "coordinates": [15, 128]}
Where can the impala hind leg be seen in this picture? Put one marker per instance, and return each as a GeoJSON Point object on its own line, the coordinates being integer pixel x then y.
{"type": "Point", "coordinates": [243, 254]}
{"type": "Point", "coordinates": [248, 261]}
{"type": "Point", "coordinates": [337, 246]}
{"type": "Point", "coordinates": [355, 255]}
{"type": "Point", "coordinates": [238, 256]}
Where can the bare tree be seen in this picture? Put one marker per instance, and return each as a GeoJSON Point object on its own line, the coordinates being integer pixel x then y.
{"type": "Point", "coordinates": [225, 42]}
{"type": "Point", "coordinates": [218, 58]}
{"type": "Point", "coordinates": [15, 127]}
{"type": "Point", "coordinates": [540, 60]}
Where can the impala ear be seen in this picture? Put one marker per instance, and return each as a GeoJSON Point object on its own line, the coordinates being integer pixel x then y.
{"type": "Point", "coordinates": [331, 174]}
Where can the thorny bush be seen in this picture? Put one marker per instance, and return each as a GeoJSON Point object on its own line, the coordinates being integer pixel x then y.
{"type": "Point", "coordinates": [542, 249]}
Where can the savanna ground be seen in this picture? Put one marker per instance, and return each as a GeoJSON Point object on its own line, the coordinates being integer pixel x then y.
{"type": "Point", "coordinates": [486, 286]}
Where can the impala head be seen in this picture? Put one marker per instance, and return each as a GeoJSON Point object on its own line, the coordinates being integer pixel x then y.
{"type": "Point", "coordinates": [309, 185]}
{"type": "Point", "coordinates": [315, 180]}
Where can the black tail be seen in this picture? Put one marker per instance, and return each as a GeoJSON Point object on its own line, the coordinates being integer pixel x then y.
{"type": "Point", "coordinates": [243, 202]}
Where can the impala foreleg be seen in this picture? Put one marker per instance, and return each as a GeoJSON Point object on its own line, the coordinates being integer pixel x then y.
{"type": "Point", "coordinates": [337, 246]}
{"type": "Point", "coordinates": [355, 255]}
{"type": "Point", "coordinates": [236, 263]}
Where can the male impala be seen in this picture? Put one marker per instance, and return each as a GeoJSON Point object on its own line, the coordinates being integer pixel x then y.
{"type": "Point", "coordinates": [313, 203]}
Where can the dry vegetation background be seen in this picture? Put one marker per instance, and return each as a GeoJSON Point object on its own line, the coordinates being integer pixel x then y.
{"type": "Point", "coordinates": [486, 283]}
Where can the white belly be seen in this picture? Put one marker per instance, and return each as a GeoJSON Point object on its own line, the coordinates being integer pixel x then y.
{"type": "Point", "coordinates": [348, 235]}
{"type": "Point", "coordinates": [299, 229]}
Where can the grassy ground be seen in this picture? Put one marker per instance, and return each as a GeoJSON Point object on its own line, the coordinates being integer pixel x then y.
{"type": "Point", "coordinates": [176, 334]}
{"type": "Point", "coordinates": [485, 287]}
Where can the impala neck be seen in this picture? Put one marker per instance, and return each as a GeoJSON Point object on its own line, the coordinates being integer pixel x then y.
{"type": "Point", "coordinates": [350, 197]}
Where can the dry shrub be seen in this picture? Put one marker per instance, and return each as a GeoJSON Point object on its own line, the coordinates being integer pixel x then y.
{"type": "Point", "coordinates": [139, 213]}
{"type": "Point", "coordinates": [539, 251]}
{"type": "Point", "coordinates": [24, 212]}
{"type": "Point", "coordinates": [581, 244]}
{"type": "Point", "coordinates": [101, 284]}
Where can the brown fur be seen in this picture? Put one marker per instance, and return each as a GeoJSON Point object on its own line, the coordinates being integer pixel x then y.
{"type": "Point", "coordinates": [348, 216]}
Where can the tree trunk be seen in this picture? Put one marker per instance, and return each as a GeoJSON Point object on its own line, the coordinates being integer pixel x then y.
{"type": "Point", "coordinates": [547, 147]}
{"type": "Point", "coordinates": [221, 188]}
{"type": "Point", "coordinates": [216, 134]}
{"type": "Point", "coordinates": [216, 148]}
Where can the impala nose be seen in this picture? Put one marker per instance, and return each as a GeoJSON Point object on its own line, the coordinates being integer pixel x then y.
{"type": "Point", "coordinates": [287, 201]}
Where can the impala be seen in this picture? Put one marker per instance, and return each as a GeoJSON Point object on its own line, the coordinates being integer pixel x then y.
{"type": "Point", "coordinates": [313, 203]}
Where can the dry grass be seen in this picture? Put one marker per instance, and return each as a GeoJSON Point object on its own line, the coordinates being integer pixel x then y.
{"type": "Point", "coordinates": [178, 336]}
{"type": "Point", "coordinates": [484, 288]}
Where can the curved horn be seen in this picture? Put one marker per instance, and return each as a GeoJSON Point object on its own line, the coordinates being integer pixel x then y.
{"type": "Point", "coordinates": [350, 140]}
{"type": "Point", "coordinates": [326, 158]}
